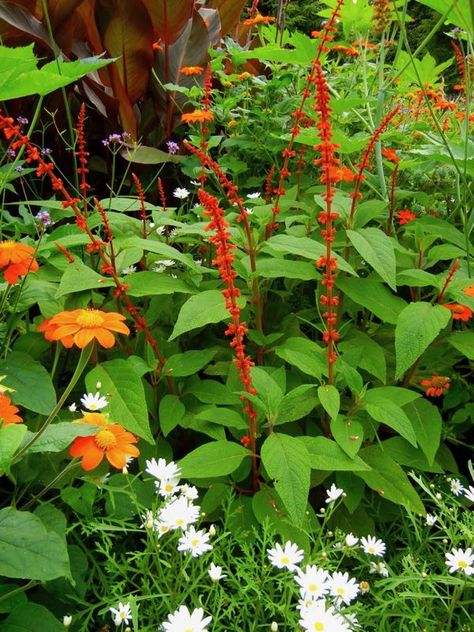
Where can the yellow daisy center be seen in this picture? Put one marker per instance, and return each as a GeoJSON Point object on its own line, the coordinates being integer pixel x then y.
{"type": "Point", "coordinates": [313, 587]}
{"type": "Point", "coordinates": [90, 318]}
{"type": "Point", "coordinates": [105, 439]}
{"type": "Point", "coordinates": [285, 559]}
{"type": "Point", "coordinates": [462, 564]}
{"type": "Point", "coordinates": [340, 591]}
{"type": "Point", "coordinates": [371, 549]}
{"type": "Point", "coordinates": [318, 626]}
{"type": "Point", "coordinates": [195, 542]}
{"type": "Point", "coordinates": [7, 245]}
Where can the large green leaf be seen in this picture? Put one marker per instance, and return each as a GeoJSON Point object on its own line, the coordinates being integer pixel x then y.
{"type": "Point", "coordinates": [217, 458]}
{"type": "Point", "coordinates": [361, 350]}
{"type": "Point", "coordinates": [287, 461]}
{"type": "Point", "coordinates": [328, 456]}
{"type": "Point", "coordinates": [422, 71]}
{"type": "Point", "coordinates": [171, 412]}
{"type": "Point", "coordinates": [388, 479]}
{"type": "Point", "coordinates": [19, 76]}
{"type": "Point", "coordinates": [374, 296]}
{"type": "Point", "coordinates": [11, 436]}
{"type": "Point", "coordinates": [305, 354]}
{"type": "Point", "coordinates": [330, 399]}
{"type": "Point", "coordinates": [459, 12]}
{"type": "Point", "coordinates": [377, 249]}
{"type": "Point", "coordinates": [202, 309]}
{"type": "Point", "coordinates": [188, 363]}
{"type": "Point", "coordinates": [26, 617]}
{"type": "Point", "coordinates": [274, 268]}
{"type": "Point", "coordinates": [28, 550]}
{"type": "Point", "coordinates": [297, 404]}
{"type": "Point", "coordinates": [31, 382]}
{"type": "Point", "coordinates": [78, 277]}
{"type": "Point", "coordinates": [163, 250]}
{"type": "Point", "coordinates": [463, 341]}
{"type": "Point", "coordinates": [155, 283]}
{"type": "Point", "coordinates": [427, 424]}
{"type": "Point", "coordinates": [417, 326]}
{"type": "Point", "coordinates": [388, 412]}
{"type": "Point", "coordinates": [127, 405]}
{"type": "Point", "coordinates": [59, 436]}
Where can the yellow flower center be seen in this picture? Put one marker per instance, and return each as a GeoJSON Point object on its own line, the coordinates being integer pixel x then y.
{"type": "Point", "coordinates": [285, 559]}
{"type": "Point", "coordinates": [90, 318]}
{"type": "Point", "coordinates": [105, 439]}
{"type": "Point", "coordinates": [313, 587]}
{"type": "Point", "coordinates": [340, 591]}
{"type": "Point", "coordinates": [462, 564]}
{"type": "Point", "coordinates": [318, 626]}
{"type": "Point", "coordinates": [7, 245]}
{"type": "Point", "coordinates": [371, 549]}
{"type": "Point", "coordinates": [179, 522]}
{"type": "Point", "coordinates": [195, 542]}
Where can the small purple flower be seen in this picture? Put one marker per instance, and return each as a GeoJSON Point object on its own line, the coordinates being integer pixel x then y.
{"type": "Point", "coordinates": [44, 217]}
{"type": "Point", "coordinates": [19, 168]}
{"type": "Point", "coordinates": [173, 147]}
{"type": "Point", "coordinates": [114, 138]}
{"type": "Point", "coordinates": [46, 151]}
{"type": "Point", "coordinates": [22, 120]}
{"type": "Point", "coordinates": [11, 152]}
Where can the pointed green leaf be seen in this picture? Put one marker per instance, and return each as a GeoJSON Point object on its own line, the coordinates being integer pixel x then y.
{"type": "Point", "coordinates": [330, 400]}
{"type": "Point", "coordinates": [217, 458]}
{"type": "Point", "coordinates": [377, 249]}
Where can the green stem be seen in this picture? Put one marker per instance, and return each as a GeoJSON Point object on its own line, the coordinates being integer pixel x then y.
{"type": "Point", "coordinates": [70, 466]}
{"type": "Point", "coordinates": [81, 365]}
{"type": "Point", "coordinates": [19, 590]}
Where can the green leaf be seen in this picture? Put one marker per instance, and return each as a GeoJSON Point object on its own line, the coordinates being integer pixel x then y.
{"type": "Point", "coordinates": [274, 268]}
{"type": "Point", "coordinates": [362, 351]}
{"type": "Point", "coordinates": [459, 13]}
{"type": "Point", "coordinates": [377, 249]}
{"type": "Point", "coordinates": [420, 71]}
{"type": "Point", "coordinates": [328, 456]}
{"type": "Point", "coordinates": [303, 247]}
{"type": "Point", "coordinates": [157, 247]}
{"type": "Point", "coordinates": [78, 277]}
{"type": "Point", "coordinates": [348, 433]}
{"type": "Point", "coordinates": [11, 436]}
{"type": "Point", "coordinates": [28, 550]}
{"type": "Point", "coordinates": [427, 424]}
{"type": "Point", "coordinates": [212, 392]}
{"type": "Point", "coordinates": [171, 413]}
{"type": "Point", "coordinates": [463, 341]}
{"type": "Point", "coordinates": [330, 400]}
{"type": "Point", "coordinates": [268, 391]}
{"type": "Point", "coordinates": [417, 278]}
{"type": "Point", "coordinates": [148, 155]}
{"type": "Point", "coordinates": [188, 363]}
{"type": "Point", "coordinates": [202, 309]}
{"type": "Point", "coordinates": [417, 326]}
{"type": "Point", "coordinates": [26, 617]}
{"type": "Point", "coordinates": [388, 479]}
{"type": "Point", "coordinates": [287, 461]}
{"type": "Point", "coordinates": [385, 411]}
{"type": "Point", "coordinates": [397, 394]}
{"type": "Point", "coordinates": [405, 454]}
{"type": "Point", "coordinates": [374, 296]}
{"type": "Point", "coordinates": [155, 284]}
{"type": "Point", "coordinates": [296, 404]}
{"type": "Point", "coordinates": [58, 436]}
{"type": "Point", "coordinates": [31, 382]}
{"type": "Point", "coordinates": [127, 405]}
{"type": "Point", "coordinates": [305, 354]}
{"type": "Point", "coordinates": [223, 417]}
{"type": "Point", "coordinates": [217, 458]}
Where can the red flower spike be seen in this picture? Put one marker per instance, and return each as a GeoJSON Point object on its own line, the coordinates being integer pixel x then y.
{"type": "Point", "coordinates": [141, 199]}
{"type": "Point", "coordinates": [82, 154]}
{"type": "Point", "coordinates": [459, 312]}
{"type": "Point", "coordinates": [405, 216]}
{"type": "Point", "coordinates": [436, 386]}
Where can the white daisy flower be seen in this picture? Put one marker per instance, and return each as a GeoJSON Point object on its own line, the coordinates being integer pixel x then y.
{"type": "Point", "coordinates": [129, 270]}
{"type": "Point", "coordinates": [469, 493]}
{"type": "Point", "coordinates": [72, 407]}
{"type": "Point", "coordinates": [343, 588]}
{"type": "Point", "coordinates": [459, 560]}
{"type": "Point", "coordinates": [313, 582]}
{"type": "Point", "coordinates": [430, 519]}
{"type": "Point", "coordinates": [149, 520]}
{"type": "Point", "coordinates": [215, 572]}
{"type": "Point", "coordinates": [457, 487]}
{"type": "Point", "coordinates": [181, 193]}
{"type": "Point", "coordinates": [161, 230]}
{"type": "Point", "coordinates": [167, 487]}
{"type": "Point", "coordinates": [162, 470]}
{"type": "Point", "coordinates": [254, 196]}
{"type": "Point", "coordinates": [372, 546]}
{"type": "Point", "coordinates": [378, 567]}
{"type": "Point", "coordinates": [318, 617]}
{"type": "Point", "coordinates": [194, 542]}
{"type": "Point", "coordinates": [179, 514]}
{"type": "Point", "coordinates": [122, 614]}
{"type": "Point", "coordinates": [289, 557]}
{"type": "Point", "coordinates": [189, 491]}
{"type": "Point", "coordinates": [161, 528]}
{"type": "Point", "coordinates": [160, 266]}
{"type": "Point", "coordinates": [333, 494]}
{"type": "Point", "coordinates": [184, 621]}
{"type": "Point", "coordinates": [351, 539]}
{"type": "Point", "coordinates": [94, 402]}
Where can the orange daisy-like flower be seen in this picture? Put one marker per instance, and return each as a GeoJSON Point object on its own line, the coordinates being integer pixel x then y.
{"type": "Point", "coordinates": [405, 216]}
{"type": "Point", "coordinates": [469, 291]}
{"type": "Point", "coordinates": [8, 411]}
{"type": "Point", "coordinates": [111, 441]}
{"type": "Point", "coordinates": [197, 116]}
{"type": "Point", "coordinates": [316, 34]}
{"type": "Point", "coordinates": [17, 260]}
{"type": "Point", "coordinates": [191, 70]}
{"type": "Point", "coordinates": [80, 326]}
{"type": "Point", "coordinates": [459, 312]}
{"type": "Point", "coordinates": [436, 385]}
{"type": "Point", "coordinates": [259, 19]}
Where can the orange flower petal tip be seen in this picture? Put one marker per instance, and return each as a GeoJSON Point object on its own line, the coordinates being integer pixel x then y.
{"type": "Point", "coordinates": [197, 116]}
{"type": "Point", "coordinates": [8, 412]}
{"type": "Point", "coordinates": [189, 71]}
{"type": "Point", "coordinates": [16, 260]}
{"type": "Point", "coordinates": [79, 327]}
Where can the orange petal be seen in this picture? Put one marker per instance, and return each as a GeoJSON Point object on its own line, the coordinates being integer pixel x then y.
{"type": "Point", "coordinates": [83, 337]}
{"type": "Point", "coordinates": [105, 338]}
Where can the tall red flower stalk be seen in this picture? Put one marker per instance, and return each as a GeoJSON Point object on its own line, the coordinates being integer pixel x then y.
{"type": "Point", "coordinates": [231, 192]}
{"type": "Point", "coordinates": [237, 329]}
{"type": "Point", "coordinates": [326, 35]}
{"type": "Point", "coordinates": [82, 155]}
{"type": "Point", "coordinates": [391, 156]}
{"type": "Point", "coordinates": [364, 163]}
{"type": "Point", "coordinates": [460, 61]}
{"type": "Point", "coordinates": [329, 166]}
{"type": "Point", "coordinates": [13, 134]}
{"type": "Point", "coordinates": [141, 198]}
{"type": "Point", "coordinates": [449, 278]}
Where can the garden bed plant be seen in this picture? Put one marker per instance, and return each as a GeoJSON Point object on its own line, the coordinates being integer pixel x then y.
{"type": "Point", "coordinates": [236, 335]}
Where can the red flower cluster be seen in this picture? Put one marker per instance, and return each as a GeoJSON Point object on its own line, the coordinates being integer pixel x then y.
{"type": "Point", "coordinates": [405, 216]}
{"type": "Point", "coordinates": [436, 385]}
{"type": "Point", "coordinates": [459, 312]}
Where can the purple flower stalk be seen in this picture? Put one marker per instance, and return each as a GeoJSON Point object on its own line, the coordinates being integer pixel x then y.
{"type": "Point", "coordinates": [44, 217]}
{"type": "Point", "coordinates": [173, 147]}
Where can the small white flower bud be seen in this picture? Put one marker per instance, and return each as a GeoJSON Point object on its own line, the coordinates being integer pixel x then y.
{"type": "Point", "coordinates": [274, 626]}
{"type": "Point", "coordinates": [67, 620]}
